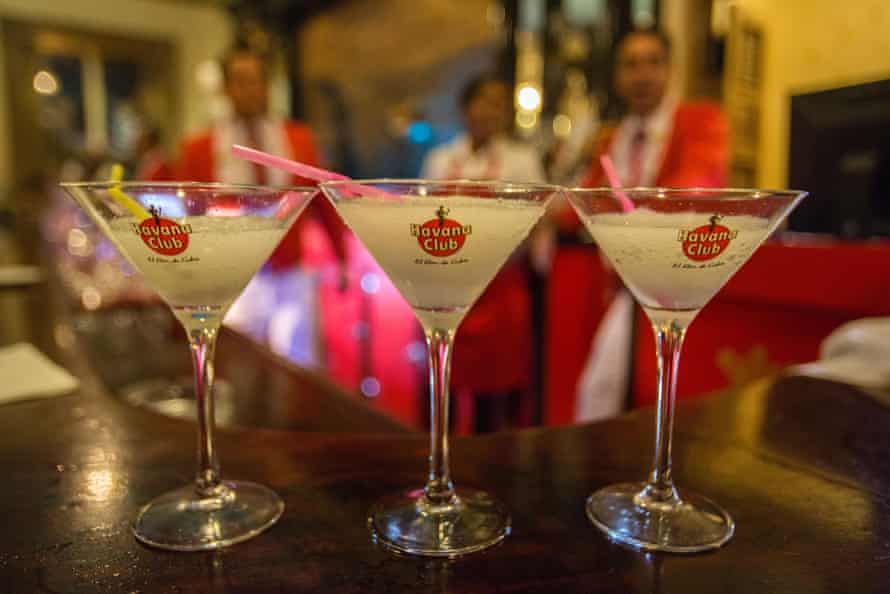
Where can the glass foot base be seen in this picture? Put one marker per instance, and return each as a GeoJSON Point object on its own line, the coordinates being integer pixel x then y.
{"type": "Point", "coordinates": [408, 524]}
{"type": "Point", "coordinates": [181, 520]}
{"type": "Point", "coordinates": [691, 525]}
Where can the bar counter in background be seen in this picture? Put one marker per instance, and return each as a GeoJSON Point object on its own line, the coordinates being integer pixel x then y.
{"type": "Point", "coordinates": [775, 312]}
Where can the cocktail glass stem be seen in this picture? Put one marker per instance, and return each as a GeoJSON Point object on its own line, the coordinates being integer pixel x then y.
{"type": "Point", "coordinates": [208, 514]}
{"type": "Point", "coordinates": [674, 249]}
{"type": "Point", "coordinates": [202, 343]}
{"type": "Point", "coordinates": [660, 489]}
{"type": "Point", "coordinates": [439, 522]}
{"type": "Point", "coordinates": [197, 245]}
{"type": "Point", "coordinates": [439, 489]}
{"type": "Point", "coordinates": [420, 232]}
{"type": "Point", "coordinates": [653, 515]}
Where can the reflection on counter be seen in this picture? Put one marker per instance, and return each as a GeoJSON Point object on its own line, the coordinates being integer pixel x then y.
{"type": "Point", "coordinates": [138, 354]}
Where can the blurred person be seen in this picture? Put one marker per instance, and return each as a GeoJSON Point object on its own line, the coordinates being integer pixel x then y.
{"type": "Point", "coordinates": [661, 141]}
{"type": "Point", "coordinates": [485, 151]}
{"type": "Point", "coordinates": [493, 351]}
{"type": "Point", "coordinates": [280, 306]}
{"type": "Point", "coordinates": [207, 157]}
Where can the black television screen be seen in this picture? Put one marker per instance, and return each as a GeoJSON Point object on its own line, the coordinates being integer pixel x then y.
{"type": "Point", "coordinates": [840, 152]}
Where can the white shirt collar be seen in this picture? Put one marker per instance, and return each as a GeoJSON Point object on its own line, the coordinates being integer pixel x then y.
{"type": "Point", "coordinates": [658, 126]}
{"type": "Point", "coordinates": [230, 169]}
{"type": "Point", "coordinates": [658, 121]}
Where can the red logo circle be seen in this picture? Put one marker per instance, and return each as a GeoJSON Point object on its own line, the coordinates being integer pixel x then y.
{"type": "Point", "coordinates": [441, 237]}
{"type": "Point", "coordinates": [706, 242]}
{"type": "Point", "coordinates": [164, 236]}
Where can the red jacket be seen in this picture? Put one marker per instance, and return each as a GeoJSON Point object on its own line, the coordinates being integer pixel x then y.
{"type": "Point", "coordinates": [197, 164]}
{"type": "Point", "coordinates": [153, 166]}
{"type": "Point", "coordinates": [697, 154]}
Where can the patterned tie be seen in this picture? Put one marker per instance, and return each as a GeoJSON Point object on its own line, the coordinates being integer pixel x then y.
{"type": "Point", "coordinates": [635, 162]}
{"type": "Point", "coordinates": [253, 139]}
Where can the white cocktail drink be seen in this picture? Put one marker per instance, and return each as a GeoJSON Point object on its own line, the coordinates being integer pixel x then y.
{"type": "Point", "coordinates": [676, 261]}
{"type": "Point", "coordinates": [441, 243]}
{"type": "Point", "coordinates": [221, 256]}
{"type": "Point", "coordinates": [198, 264]}
{"type": "Point", "coordinates": [674, 249]}
{"type": "Point", "coordinates": [440, 254]}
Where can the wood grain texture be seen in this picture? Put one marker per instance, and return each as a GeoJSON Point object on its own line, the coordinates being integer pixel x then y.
{"type": "Point", "coordinates": [801, 464]}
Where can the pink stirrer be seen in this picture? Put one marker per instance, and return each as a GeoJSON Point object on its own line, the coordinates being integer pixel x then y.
{"type": "Point", "coordinates": [300, 169]}
{"type": "Point", "coordinates": [627, 204]}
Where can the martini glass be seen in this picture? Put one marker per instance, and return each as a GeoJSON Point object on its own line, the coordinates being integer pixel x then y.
{"type": "Point", "coordinates": [441, 243]}
{"type": "Point", "coordinates": [674, 249]}
{"type": "Point", "coordinates": [198, 245]}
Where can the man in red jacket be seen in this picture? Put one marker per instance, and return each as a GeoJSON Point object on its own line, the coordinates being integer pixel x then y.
{"type": "Point", "coordinates": [661, 141]}
{"type": "Point", "coordinates": [207, 157]}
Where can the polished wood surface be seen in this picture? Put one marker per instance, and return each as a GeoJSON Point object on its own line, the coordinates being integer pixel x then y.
{"type": "Point", "coordinates": [801, 464]}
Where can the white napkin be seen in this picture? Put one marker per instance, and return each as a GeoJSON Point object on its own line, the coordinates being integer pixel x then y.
{"type": "Point", "coordinates": [857, 353]}
{"type": "Point", "coordinates": [26, 373]}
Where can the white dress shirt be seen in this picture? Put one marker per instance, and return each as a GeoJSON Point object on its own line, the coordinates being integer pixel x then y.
{"type": "Point", "coordinates": [500, 159]}
{"type": "Point", "coordinates": [657, 127]}
{"type": "Point", "coordinates": [233, 170]}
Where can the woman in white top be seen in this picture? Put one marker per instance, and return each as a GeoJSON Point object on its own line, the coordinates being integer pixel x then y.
{"type": "Point", "coordinates": [485, 151]}
{"type": "Point", "coordinates": [492, 362]}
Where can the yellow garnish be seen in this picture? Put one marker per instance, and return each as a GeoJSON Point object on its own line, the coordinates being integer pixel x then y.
{"type": "Point", "coordinates": [136, 209]}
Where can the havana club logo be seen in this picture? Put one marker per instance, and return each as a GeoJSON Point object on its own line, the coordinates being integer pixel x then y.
{"type": "Point", "coordinates": [441, 237]}
{"type": "Point", "coordinates": [161, 235]}
{"type": "Point", "coordinates": [706, 242]}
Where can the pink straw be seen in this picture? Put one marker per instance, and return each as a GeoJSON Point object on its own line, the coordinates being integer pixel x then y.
{"type": "Point", "coordinates": [627, 204]}
{"type": "Point", "coordinates": [300, 169]}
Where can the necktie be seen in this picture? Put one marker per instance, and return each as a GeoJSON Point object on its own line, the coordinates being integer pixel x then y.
{"type": "Point", "coordinates": [635, 161]}
{"type": "Point", "coordinates": [253, 138]}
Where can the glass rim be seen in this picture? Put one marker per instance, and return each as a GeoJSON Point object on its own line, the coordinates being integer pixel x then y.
{"type": "Point", "coordinates": [672, 193]}
{"type": "Point", "coordinates": [466, 183]}
{"type": "Point", "coordinates": [185, 185]}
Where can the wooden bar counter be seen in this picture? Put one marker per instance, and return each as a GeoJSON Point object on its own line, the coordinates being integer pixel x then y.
{"type": "Point", "coordinates": [802, 465]}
